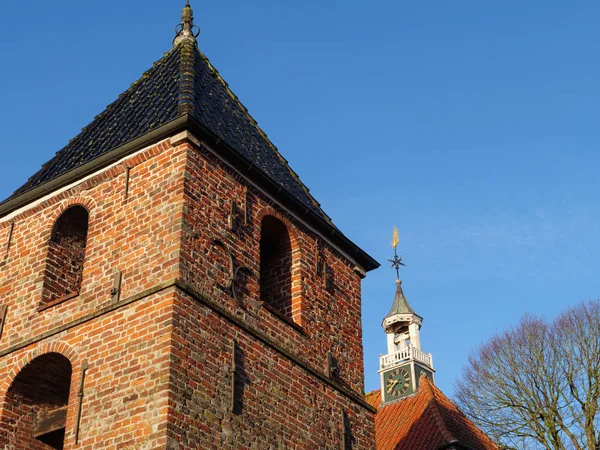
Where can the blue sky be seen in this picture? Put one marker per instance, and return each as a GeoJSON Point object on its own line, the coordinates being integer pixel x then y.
{"type": "Point", "coordinates": [470, 125]}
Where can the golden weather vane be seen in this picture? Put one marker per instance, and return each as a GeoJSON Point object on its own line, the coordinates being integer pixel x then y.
{"type": "Point", "coordinates": [395, 238]}
{"type": "Point", "coordinates": [396, 262]}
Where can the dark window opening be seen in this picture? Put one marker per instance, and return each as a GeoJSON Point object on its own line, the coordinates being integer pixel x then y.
{"type": "Point", "coordinates": [276, 267]}
{"type": "Point", "coordinates": [35, 409]}
{"type": "Point", "coordinates": [66, 254]}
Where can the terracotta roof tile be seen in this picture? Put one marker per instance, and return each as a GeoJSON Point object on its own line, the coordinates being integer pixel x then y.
{"type": "Point", "coordinates": [427, 420]}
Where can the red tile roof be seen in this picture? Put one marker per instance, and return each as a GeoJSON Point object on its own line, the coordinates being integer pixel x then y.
{"type": "Point", "coordinates": [427, 420]}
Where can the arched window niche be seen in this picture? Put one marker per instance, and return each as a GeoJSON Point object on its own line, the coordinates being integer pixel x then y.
{"type": "Point", "coordinates": [66, 254]}
{"type": "Point", "coordinates": [276, 270]}
{"type": "Point", "coordinates": [35, 407]}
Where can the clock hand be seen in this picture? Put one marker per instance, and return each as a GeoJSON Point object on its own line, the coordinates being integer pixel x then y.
{"type": "Point", "coordinates": [394, 383]}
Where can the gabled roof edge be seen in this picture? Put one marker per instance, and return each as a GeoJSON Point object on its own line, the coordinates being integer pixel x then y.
{"type": "Point", "coordinates": [433, 409]}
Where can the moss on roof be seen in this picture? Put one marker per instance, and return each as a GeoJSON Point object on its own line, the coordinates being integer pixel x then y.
{"type": "Point", "coordinates": [182, 82]}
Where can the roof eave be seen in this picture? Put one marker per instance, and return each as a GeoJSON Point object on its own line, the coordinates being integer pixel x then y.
{"type": "Point", "coordinates": [17, 201]}
{"type": "Point", "coordinates": [454, 445]}
{"type": "Point", "coordinates": [328, 231]}
{"type": "Point", "coordinates": [247, 169]}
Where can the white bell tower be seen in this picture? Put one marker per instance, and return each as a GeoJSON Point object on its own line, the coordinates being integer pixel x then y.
{"type": "Point", "coordinates": [404, 364]}
{"type": "Point", "coordinates": [402, 325]}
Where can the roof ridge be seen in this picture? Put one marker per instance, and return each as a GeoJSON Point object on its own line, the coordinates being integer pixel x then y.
{"type": "Point", "coordinates": [439, 395]}
{"type": "Point", "coordinates": [187, 94]}
{"type": "Point", "coordinates": [432, 405]}
{"type": "Point", "coordinates": [426, 419]}
{"type": "Point", "coordinates": [236, 99]}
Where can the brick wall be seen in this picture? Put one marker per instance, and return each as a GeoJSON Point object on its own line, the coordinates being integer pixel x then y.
{"type": "Point", "coordinates": [17, 426]}
{"type": "Point", "coordinates": [126, 344]}
{"type": "Point", "coordinates": [126, 386]}
{"type": "Point", "coordinates": [330, 319]}
{"type": "Point", "coordinates": [138, 236]}
{"type": "Point", "coordinates": [42, 386]}
{"type": "Point", "coordinates": [161, 347]}
{"type": "Point", "coordinates": [277, 403]}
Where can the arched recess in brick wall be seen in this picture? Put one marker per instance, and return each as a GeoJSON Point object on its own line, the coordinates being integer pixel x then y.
{"type": "Point", "coordinates": [276, 265]}
{"type": "Point", "coordinates": [35, 406]}
{"type": "Point", "coordinates": [66, 254]}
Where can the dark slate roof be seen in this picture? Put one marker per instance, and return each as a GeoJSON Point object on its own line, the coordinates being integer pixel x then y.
{"type": "Point", "coordinates": [182, 82]}
{"type": "Point", "coordinates": [426, 420]}
{"type": "Point", "coordinates": [400, 305]}
{"type": "Point", "coordinates": [149, 103]}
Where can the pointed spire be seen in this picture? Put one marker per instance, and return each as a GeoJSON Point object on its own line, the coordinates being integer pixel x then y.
{"type": "Point", "coordinates": [400, 305]}
{"type": "Point", "coordinates": [186, 30]}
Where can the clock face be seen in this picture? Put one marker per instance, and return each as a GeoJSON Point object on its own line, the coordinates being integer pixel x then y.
{"type": "Point", "coordinates": [397, 382]}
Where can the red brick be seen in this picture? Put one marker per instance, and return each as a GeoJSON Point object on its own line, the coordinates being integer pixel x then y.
{"type": "Point", "coordinates": [158, 372]}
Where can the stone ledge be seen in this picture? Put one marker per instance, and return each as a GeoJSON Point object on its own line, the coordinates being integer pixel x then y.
{"type": "Point", "coordinates": [213, 305]}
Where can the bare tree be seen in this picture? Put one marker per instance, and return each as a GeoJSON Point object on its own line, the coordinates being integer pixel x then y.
{"type": "Point", "coordinates": [537, 385]}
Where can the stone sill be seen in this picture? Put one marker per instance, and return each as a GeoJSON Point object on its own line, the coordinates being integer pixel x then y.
{"type": "Point", "coordinates": [57, 301]}
{"type": "Point", "coordinates": [283, 318]}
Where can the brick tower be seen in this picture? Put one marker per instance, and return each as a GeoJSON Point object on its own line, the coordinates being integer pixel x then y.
{"type": "Point", "coordinates": [167, 281]}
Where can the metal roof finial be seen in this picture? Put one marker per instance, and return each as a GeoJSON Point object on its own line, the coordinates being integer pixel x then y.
{"type": "Point", "coordinates": [186, 30]}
